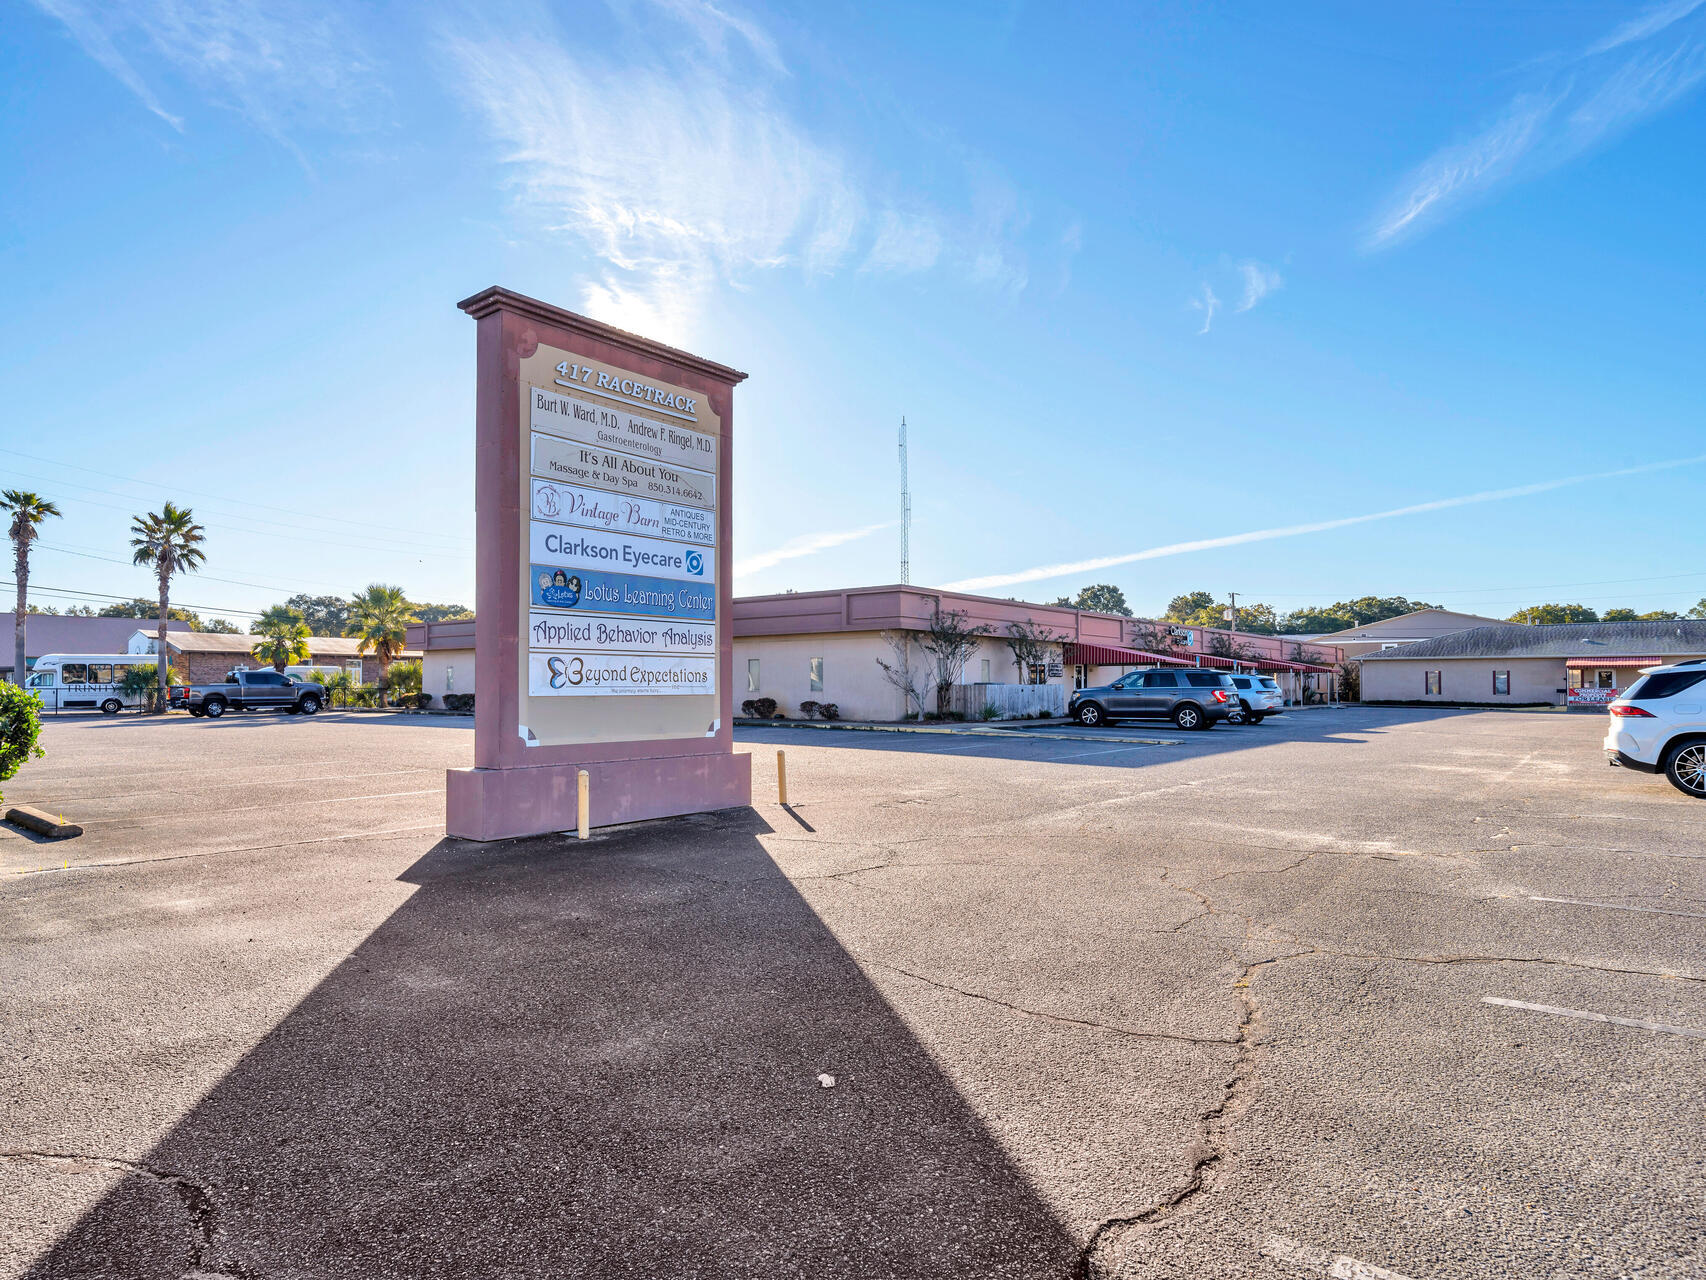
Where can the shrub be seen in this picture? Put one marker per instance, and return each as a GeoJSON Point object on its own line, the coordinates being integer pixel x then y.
{"type": "Point", "coordinates": [747, 709]}
{"type": "Point", "coordinates": [423, 700]}
{"type": "Point", "coordinates": [827, 710]}
{"type": "Point", "coordinates": [990, 712]}
{"type": "Point", "coordinates": [808, 710]}
{"type": "Point", "coordinates": [458, 702]}
{"type": "Point", "coordinates": [20, 729]}
{"type": "Point", "coordinates": [763, 708]}
{"type": "Point", "coordinates": [404, 678]}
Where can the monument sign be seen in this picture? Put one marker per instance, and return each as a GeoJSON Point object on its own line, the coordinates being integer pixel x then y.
{"type": "Point", "coordinates": [602, 583]}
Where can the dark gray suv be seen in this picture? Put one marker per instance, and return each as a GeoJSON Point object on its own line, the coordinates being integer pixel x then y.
{"type": "Point", "coordinates": [1191, 699]}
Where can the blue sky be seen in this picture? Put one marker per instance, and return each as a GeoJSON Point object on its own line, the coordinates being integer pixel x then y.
{"type": "Point", "coordinates": [1145, 280]}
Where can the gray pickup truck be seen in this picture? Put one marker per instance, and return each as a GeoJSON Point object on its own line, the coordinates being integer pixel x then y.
{"type": "Point", "coordinates": [249, 691]}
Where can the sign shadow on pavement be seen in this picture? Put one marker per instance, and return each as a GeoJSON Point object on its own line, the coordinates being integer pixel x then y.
{"type": "Point", "coordinates": [582, 1060]}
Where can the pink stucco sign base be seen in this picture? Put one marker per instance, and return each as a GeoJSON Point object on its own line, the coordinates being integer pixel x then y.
{"type": "Point", "coordinates": [515, 789]}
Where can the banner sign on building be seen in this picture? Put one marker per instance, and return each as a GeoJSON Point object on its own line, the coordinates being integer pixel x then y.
{"type": "Point", "coordinates": [1586, 697]}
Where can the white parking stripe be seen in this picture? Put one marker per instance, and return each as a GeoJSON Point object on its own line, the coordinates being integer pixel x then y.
{"type": "Point", "coordinates": [1618, 906]}
{"type": "Point", "coordinates": [1595, 1017]}
{"type": "Point", "coordinates": [1075, 755]}
{"type": "Point", "coordinates": [1336, 1266]}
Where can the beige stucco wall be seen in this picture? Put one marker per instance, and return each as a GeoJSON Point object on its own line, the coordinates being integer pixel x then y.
{"type": "Point", "coordinates": [447, 671]}
{"type": "Point", "coordinates": [851, 677]}
{"type": "Point", "coordinates": [1463, 680]}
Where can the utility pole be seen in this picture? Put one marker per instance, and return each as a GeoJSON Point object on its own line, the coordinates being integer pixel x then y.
{"type": "Point", "coordinates": [905, 513]}
{"type": "Point", "coordinates": [1232, 617]}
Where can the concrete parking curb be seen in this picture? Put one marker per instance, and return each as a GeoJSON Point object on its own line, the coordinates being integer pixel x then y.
{"type": "Point", "coordinates": [963, 731]}
{"type": "Point", "coordinates": [43, 824]}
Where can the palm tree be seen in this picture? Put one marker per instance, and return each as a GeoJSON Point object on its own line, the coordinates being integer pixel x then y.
{"type": "Point", "coordinates": [28, 510]}
{"type": "Point", "coordinates": [169, 541]}
{"type": "Point", "coordinates": [380, 616]}
{"type": "Point", "coordinates": [282, 637]}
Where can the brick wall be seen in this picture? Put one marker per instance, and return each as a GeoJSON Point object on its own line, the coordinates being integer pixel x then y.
{"type": "Point", "coordinates": [210, 668]}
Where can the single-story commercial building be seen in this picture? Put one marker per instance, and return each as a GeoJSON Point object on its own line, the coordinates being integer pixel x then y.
{"type": "Point", "coordinates": [46, 633]}
{"type": "Point", "coordinates": [1406, 628]}
{"type": "Point", "coordinates": [827, 646]}
{"type": "Point", "coordinates": [447, 656]}
{"type": "Point", "coordinates": [205, 656]}
{"type": "Point", "coordinates": [1573, 664]}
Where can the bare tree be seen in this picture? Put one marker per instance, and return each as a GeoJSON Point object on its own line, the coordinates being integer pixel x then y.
{"type": "Point", "coordinates": [1151, 636]}
{"type": "Point", "coordinates": [904, 673]}
{"type": "Point", "coordinates": [1030, 645]}
{"type": "Point", "coordinates": [949, 641]}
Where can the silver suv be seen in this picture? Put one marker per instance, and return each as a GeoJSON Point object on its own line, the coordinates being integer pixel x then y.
{"type": "Point", "coordinates": [1258, 697]}
{"type": "Point", "coordinates": [1190, 698]}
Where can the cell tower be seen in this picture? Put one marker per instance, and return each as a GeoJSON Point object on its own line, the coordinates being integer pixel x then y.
{"type": "Point", "coordinates": [905, 514]}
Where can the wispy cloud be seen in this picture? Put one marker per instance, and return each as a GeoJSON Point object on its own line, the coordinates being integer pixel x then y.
{"type": "Point", "coordinates": [1315, 526]}
{"type": "Point", "coordinates": [1635, 71]}
{"type": "Point", "coordinates": [1259, 281]}
{"type": "Point", "coordinates": [805, 545]}
{"type": "Point", "coordinates": [1208, 304]}
{"type": "Point", "coordinates": [278, 63]}
{"type": "Point", "coordinates": [678, 167]}
{"type": "Point", "coordinates": [91, 32]}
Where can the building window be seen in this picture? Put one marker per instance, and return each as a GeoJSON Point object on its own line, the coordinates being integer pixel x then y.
{"type": "Point", "coordinates": [985, 671]}
{"type": "Point", "coordinates": [1607, 679]}
{"type": "Point", "coordinates": [450, 678]}
{"type": "Point", "coordinates": [817, 675]}
{"type": "Point", "coordinates": [1501, 682]}
{"type": "Point", "coordinates": [1430, 682]}
{"type": "Point", "coordinates": [752, 675]}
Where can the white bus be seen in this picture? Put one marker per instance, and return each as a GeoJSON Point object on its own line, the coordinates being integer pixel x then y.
{"type": "Point", "coordinates": [85, 681]}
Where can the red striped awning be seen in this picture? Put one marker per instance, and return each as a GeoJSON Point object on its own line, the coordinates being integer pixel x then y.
{"type": "Point", "coordinates": [1281, 664]}
{"type": "Point", "coordinates": [1109, 655]}
{"type": "Point", "coordinates": [1617, 662]}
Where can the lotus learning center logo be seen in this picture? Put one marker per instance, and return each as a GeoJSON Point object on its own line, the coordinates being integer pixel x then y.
{"type": "Point", "coordinates": [695, 563]}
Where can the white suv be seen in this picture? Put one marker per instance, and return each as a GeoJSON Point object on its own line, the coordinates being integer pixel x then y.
{"type": "Point", "coordinates": [1258, 696]}
{"type": "Point", "coordinates": [1659, 726]}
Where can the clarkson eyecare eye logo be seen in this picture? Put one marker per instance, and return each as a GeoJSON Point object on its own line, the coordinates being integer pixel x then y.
{"type": "Point", "coordinates": [695, 562]}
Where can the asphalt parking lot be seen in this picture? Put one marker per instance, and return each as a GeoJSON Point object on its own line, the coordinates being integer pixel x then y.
{"type": "Point", "coordinates": [1368, 993]}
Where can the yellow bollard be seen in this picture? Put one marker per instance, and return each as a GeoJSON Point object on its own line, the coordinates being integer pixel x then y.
{"type": "Point", "coordinates": [582, 805]}
{"type": "Point", "coordinates": [781, 777]}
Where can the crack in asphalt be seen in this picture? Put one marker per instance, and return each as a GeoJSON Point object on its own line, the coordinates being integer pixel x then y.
{"type": "Point", "coordinates": [1211, 1155]}
{"type": "Point", "coordinates": [1131, 1033]}
{"type": "Point", "coordinates": [196, 1199]}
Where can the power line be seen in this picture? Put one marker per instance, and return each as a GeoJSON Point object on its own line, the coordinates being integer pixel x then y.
{"type": "Point", "coordinates": [200, 577]}
{"type": "Point", "coordinates": [113, 475]}
{"type": "Point", "coordinates": [224, 518]}
{"type": "Point", "coordinates": [210, 609]}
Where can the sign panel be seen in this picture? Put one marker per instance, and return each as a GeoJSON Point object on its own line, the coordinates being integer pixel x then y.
{"type": "Point", "coordinates": [552, 544]}
{"type": "Point", "coordinates": [610, 426]}
{"type": "Point", "coordinates": [595, 591]}
{"type": "Point", "coordinates": [565, 460]}
{"type": "Point", "coordinates": [572, 633]}
{"type": "Point", "coordinates": [588, 509]}
{"type": "Point", "coordinates": [1586, 697]}
{"type": "Point", "coordinates": [570, 675]}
